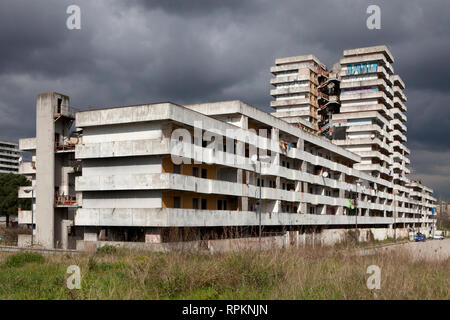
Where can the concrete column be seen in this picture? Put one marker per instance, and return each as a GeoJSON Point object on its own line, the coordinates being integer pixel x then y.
{"type": "Point", "coordinates": [241, 177]}
{"type": "Point", "coordinates": [65, 228]}
{"type": "Point", "coordinates": [45, 170]}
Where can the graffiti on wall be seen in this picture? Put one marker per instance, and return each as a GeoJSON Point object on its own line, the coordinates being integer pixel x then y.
{"type": "Point", "coordinates": [361, 68]}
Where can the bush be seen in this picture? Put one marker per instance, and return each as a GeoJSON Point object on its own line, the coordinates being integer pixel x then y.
{"type": "Point", "coordinates": [107, 250]}
{"type": "Point", "coordinates": [20, 259]}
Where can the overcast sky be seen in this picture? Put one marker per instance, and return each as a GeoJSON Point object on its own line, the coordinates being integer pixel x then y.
{"type": "Point", "coordinates": [190, 51]}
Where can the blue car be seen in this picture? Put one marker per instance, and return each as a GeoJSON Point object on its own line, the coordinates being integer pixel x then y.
{"type": "Point", "coordinates": [419, 237]}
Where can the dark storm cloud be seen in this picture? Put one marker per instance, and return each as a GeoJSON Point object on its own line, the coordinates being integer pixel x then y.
{"type": "Point", "coordinates": [189, 51]}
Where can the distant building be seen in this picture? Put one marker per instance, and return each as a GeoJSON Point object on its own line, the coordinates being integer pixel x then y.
{"type": "Point", "coordinates": [9, 157]}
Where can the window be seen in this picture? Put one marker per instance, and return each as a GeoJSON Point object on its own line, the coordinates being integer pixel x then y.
{"type": "Point", "coordinates": [287, 164]}
{"type": "Point", "coordinates": [176, 202]}
{"type": "Point", "coordinates": [224, 204]}
{"type": "Point", "coordinates": [195, 203]}
{"type": "Point", "coordinates": [176, 168]}
{"type": "Point", "coordinates": [59, 105]}
{"type": "Point", "coordinates": [195, 171]}
{"type": "Point", "coordinates": [203, 204]}
{"type": "Point", "coordinates": [219, 204]}
{"type": "Point", "coordinates": [204, 173]}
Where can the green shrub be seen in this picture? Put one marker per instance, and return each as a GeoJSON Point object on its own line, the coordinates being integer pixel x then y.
{"type": "Point", "coordinates": [107, 249]}
{"type": "Point", "coordinates": [20, 259]}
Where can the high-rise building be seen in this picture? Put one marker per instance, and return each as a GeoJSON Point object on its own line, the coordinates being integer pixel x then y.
{"type": "Point", "coordinates": [9, 157]}
{"type": "Point", "coordinates": [296, 81]}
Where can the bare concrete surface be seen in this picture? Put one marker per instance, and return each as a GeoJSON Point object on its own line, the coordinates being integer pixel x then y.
{"type": "Point", "coordinates": [430, 250]}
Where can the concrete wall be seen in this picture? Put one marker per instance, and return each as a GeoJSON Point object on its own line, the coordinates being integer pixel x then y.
{"type": "Point", "coordinates": [327, 237]}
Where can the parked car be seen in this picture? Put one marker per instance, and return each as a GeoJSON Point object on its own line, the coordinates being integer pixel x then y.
{"type": "Point", "coordinates": [419, 237]}
{"type": "Point", "coordinates": [436, 237]}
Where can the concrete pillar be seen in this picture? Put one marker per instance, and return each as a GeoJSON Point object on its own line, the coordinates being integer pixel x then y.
{"type": "Point", "coordinates": [45, 170]}
{"type": "Point", "coordinates": [242, 177]}
{"type": "Point", "coordinates": [65, 229]}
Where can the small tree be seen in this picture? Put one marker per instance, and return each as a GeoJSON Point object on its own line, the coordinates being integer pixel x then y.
{"type": "Point", "coordinates": [9, 201]}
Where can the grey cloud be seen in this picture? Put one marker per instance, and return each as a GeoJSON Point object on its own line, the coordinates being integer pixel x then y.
{"type": "Point", "coordinates": [194, 51]}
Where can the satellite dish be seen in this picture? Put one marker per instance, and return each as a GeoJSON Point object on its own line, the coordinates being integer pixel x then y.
{"type": "Point", "coordinates": [254, 158]}
{"type": "Point", "coordinates": [325, 174]}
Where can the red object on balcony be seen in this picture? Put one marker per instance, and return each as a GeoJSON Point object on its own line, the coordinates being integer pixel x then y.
{"type": "Point", "coordinates": [65, 201]}
{"type": "Point", "coordinates": [64, 147]}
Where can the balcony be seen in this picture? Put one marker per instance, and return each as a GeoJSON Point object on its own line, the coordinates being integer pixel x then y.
{"type": "Point", "coordinates": [22, 194]}
{"type": "Point", "coordinates": [28, 144]}
{"type": "Point", "coordinates": [27, 168]}
{"type": "Point", "coordinates": [24, 216]}
{"type": "Point", "coordinates": [64, 148]}
{"type": "Point", "coordinates": [64, 111]}
{"type": "Point", "coordinates": [62, 201]}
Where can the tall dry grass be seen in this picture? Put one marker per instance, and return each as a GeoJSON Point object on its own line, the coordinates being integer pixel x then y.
{"type": "Point", "coordinates": [305, 273]}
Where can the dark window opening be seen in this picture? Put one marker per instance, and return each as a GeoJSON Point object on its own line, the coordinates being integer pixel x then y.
{"type": "Point", "coordinates": [176, 168]}
{"type": "Point", "coordinates": [195, 203]}
{"type": "Point", "coordinates": [58, 109]}
{"type": "Point", "coordinates": [195, 171]}
{"type": "Point", "coordinates": [203, 204]}
{"type": "Point", "coordinates": [204, 173]}
{"type": "Point", "coordinates": [177, 202]}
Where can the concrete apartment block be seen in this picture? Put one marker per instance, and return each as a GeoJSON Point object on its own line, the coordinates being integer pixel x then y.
{"type": "Point", "coordinates": [9, 157]}
{"type": "Point", "coordinates": [296, 91]}
{"type": "Point", "coordinates": [163, 172]}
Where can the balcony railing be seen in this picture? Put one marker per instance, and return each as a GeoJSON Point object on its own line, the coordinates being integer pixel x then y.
{"type": "Point", "coordinates": [65, 201]}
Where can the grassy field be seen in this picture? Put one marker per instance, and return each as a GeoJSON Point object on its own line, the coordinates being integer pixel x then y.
{"type": "Point", "coordinates": [278, 274]}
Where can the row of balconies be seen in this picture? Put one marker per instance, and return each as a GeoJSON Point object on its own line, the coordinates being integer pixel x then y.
{"type": "Point", "coordinates": [375, 57]}
{"type": "Point", "coordinates": [397, 133]}
{"type": "Point", "coordinates": [292, 89]}
{"type": "Point", "coordinates": [198, 185]}
{"type": "Point", "coordinates": [291, 78]}
{"type": "Point", "coordinates": [291, 102]}
{"type": "Point", "coordinates": [128, 148]}
{"type": "Point", "coordinates": [399, 93]}
{"type": "Point", "coordinates": [398, 124]}
{"type": "Point", "coordinates": [398, 113]}
{"type": "Point", "coordinates": [401, 146]}
{"type": "Point", "coordinates": [399, 104]}
{"type": "Point", "coordinates": [168, 217]}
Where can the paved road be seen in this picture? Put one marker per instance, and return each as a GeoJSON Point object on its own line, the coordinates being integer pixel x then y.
{"type": "Point", "coordinates": [430, 249]}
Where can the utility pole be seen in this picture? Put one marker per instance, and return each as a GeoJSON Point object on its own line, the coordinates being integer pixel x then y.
{"type": "Point", "coordinates": [356, 198]}
{"type": "Point", "coordinates": [395, 216]}
{"type": "Point", "coordinates": [32, 212]}
{"type": "Point", "coordinates": [254, 159]}
{"type": "Point", "coordinates": [260, 205]}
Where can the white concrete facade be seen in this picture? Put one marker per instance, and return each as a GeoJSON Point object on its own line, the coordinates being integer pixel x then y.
{"type": "Point", "coordinates": [9, 157]}
{"type": "Point", "coordinates": [134, 173]}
